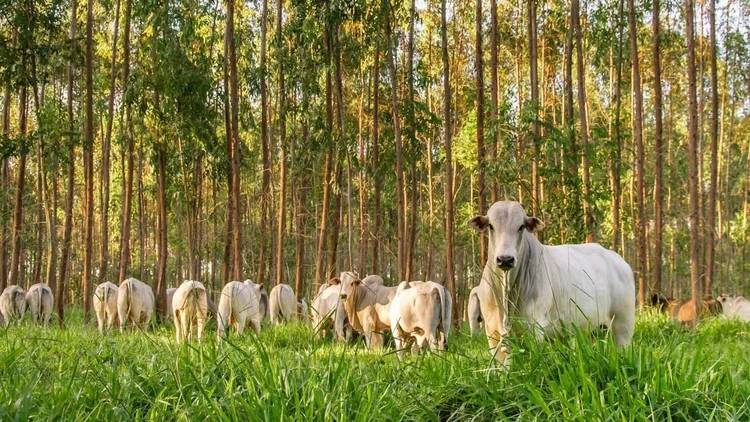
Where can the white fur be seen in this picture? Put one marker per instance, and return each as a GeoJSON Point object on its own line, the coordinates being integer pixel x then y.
{"type": "Point", "coordinates": [40, 303]}
{"type": "Point", "coordinates": [135, 303]}
{"type": "Point", "coordinates": [189, 309]}
{"type": "Point", "coordinates": [474, 311]}
{"type": "Point", "coordinates": [105, 305]}
{"type": "Point", "coordinates": [420, 312]}
{"type": "Point", "coordinates": [12, 305]}
{"type": "Point", "coordinates": [239, 306]}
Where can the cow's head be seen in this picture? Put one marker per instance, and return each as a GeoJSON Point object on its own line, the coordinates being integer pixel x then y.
{"type": "Point", "coordinates": [505, 224]}
{"type": "Point", "coordinates": [349, 282]}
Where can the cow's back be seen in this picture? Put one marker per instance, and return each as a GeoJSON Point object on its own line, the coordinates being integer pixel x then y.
{"type": "Point", "coordinates": [592, 284]}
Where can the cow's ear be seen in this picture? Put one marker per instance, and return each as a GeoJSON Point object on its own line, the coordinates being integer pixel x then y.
{"type": "Point", "coordinates": [259, 286]}
{"type": "Point", "coordinates": [533, 224]}
{"type": "Point", "coordinates": [357, 282]}
{"type": "Point", "coordinates": [479, 223]}
{"type": "Point", "coordinates": [334, 281]}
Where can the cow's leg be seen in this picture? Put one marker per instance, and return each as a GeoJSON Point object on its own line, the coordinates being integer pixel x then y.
{"type": "Point", "coordinates": [177, 326]}
{"type": "Point", "coordinates": [376, 340]}
{"type": "Point", "coordinates": [239, 323]}
{"type": "Point", "coordinates": [111, 320]}
{"type": "Point", "coordinates": [100, 320]}
{"type": "Point", "coordinates": [187, 329]}
{"type": "Point", "coordinates": [201, 324]}
{"type": "Point", "coordinates": [256, 325]}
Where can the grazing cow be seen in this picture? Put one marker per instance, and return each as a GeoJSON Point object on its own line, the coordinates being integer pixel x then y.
{"type": "Point", "coordinates": [212, 309]}
{"type": "Point", "coordinates": [190, 308]}
{"type": "Point", "coordinates": [474, 311]}
{"type": "Point", "coordinates": [284, 306]}
{"type": "Point", "coordinates": [105, 305]}
{"type": "Point", "coordinates": [327, 311]}
{"type": "Point", "coordinates": [549, 287]}
{"type": "Point", "coordinates": [735, 307]}
{"type": "Point", "coordinates": [239, 306]}
{"type": "Point", "coordinates": [367, 304]}
{"type": "Point", "coordinates": [12, 305]}
{"type": "Point", "coordinates": [40, 302]}
{"type": "Point", "coordinates": [420, 312]}
{"type": "Point", "coordinates": [135, 303]}
{"type": "Point", "coordinates": [683, 311]}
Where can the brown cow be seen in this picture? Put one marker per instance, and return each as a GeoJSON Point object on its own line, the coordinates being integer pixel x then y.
{"type": "Point", "coordinates": [683, 311]}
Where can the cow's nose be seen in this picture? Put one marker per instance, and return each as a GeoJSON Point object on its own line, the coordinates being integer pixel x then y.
{"type": "Point", "coordinates": [505, 261]}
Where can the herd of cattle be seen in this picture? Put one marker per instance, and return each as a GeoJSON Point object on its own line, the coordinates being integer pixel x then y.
{"type": "Point", "coordinates": [546, 288]}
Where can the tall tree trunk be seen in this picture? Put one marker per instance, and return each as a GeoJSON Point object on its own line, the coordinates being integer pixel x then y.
{"type": "Point", "coordinates": [335, 222]}
{"type": "Point", "coordinates": [18, 201]}
{"type": "Point", "coordinates": [376, 153]}
{"type": "Point", "coordinates": [227, 261]}
{"type": "Point", "coordinates": [493, 96]}
{"type": "Point", "coordinates": [320, 255]}
{"type": "Point", "coordinates": [88, 163]}
{"type": "Point", "coordinates": [5, 186]}
{"type": "Point", "coordinates": [449, 265]}
{"type": "Point", "coordinates": [571, 161]}
{"type": "Point", "coordinates": [695, 289]}
{"type": "Point", "coordinates": [535, 127]}
{"type": "Point", "coordinates": [479, 74]}
{"type": "Point", "coordinates": [714, 130]}
{"type": "Point", "coordinates": [67, 232]}
{"type": "Point", "coordinates": [588, 216]}
{"type": "Point", "coordinates": [265, 148]}
{"type": "Point", "coordinates": [430, 139]}
{"type": "Point", "coordinates": [301, 191]}
{"type": "Point", "coordinates": [235, 144]}
{"type": "Point", "coordinates": [281, 218]}
{"type": "Point", "coordinates": [362, 178]}
{"type": "Point", "coordinates": [161, 199]}
{"type": "Point", "coordinates": [401, 210]}
{"type": "Point", "coordinates": [659, 150]}
{"type": "Point", "coordinates": [616, 159]}
{"type": "Point", "coordinates": [128, 200]}
{"type": "Point", "coordinates": [411, 228]}
{"type": "Point", "coordinates": [638, 135]}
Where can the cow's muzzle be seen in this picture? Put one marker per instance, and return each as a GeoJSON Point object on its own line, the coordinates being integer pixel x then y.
{"type": "Point", "coordinates": [505, 262]}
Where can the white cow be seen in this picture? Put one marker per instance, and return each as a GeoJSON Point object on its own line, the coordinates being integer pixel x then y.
{"type": "Point", "coordinates": [327, 310]}
{"type": "Point", "coordinates": [474, 311]}
{"type": "Point", "coordinates": [189, 309]}
{"type": "Point", "coordinates": [735, 307]}
{"type": "Point", "coordinates": [283, 304]}
{"type": "Point", "coordinates": [135, 303]}
{"type": "Point", "coordinates": [212, 309]}
{"type": "Point", "coordinates": [12, 305]}
{"type": "Point", "coordinates": [367, 303]}
{"type": "Point", "coordinates": [239, 306]}
{"type": "Point", "coordinates": [420, 312]}
{"type": "Point", "coordinates": [105, 305]}
{"type": "Point", "coordinates": [549, 287]}
{"type": "Point", "coordinates": [40, 303]}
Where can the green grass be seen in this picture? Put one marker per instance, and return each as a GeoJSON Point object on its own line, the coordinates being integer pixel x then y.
{"type": "Point", "coordinates": [287, 374]}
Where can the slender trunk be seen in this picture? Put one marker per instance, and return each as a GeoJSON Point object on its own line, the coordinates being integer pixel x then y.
{"type": "Point", "coordinates": [5, 186]}
{"type": "Point", "coordinates": [88, 163]}
{"type": "Point", "coordinates": [320, 255]}
{"type": "Point", "coordinates": [616, 160]}
{"type": "Point", "coordinates": [281, 217]}
{"type": "Point", "coordinates": [449, 265]}
{"type": "Point", "coordinates": [479, 74]}
{"type": "Point", "coordinates": [714, 129]}
{"type": "Point", "coordinates": [335, 223]}
{"type": "Point", "coordinates": [18, 201]}
{"type": "Point", "coordinates": [67, 232]}
{"type": "Point", "coordinates": [362, 179]}
{"type": "Point", "coordinates": [494, 196]}
{"type": "Point", "coordinates": [301, 191]}
{"type": "Point", "coordinates": [659, 150]}
{"type": "Point", "coordinates": [535, 126]}
{"type": "Point", "coordinates": [265, 148]}
{"type": "Point", "coordinates": [401, 210]}
{"type": "Point", "coordinates": [227, 262]}
{"type": "Point", "coordinates": [411, 228]}
{"type": "Point", "coordinates": [235, 146]}
{"type": "Point", "coordinates": [588, 217]}
{"type": "Point", "coordinates": [376, 155]}
{"type": "Point", "coordinates": [161, 199]}
{"type": "Point", "coordinates": [430, 139]}
{"type": "Point", "coordinates": [105, 164]}
{"type": "Point", "coordinates": [692, 156]}
{"type": "Point", "coordinates": [130, 147]}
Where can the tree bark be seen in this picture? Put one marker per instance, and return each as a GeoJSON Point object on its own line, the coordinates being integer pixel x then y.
{"type": "Point", "coordinates": [5, 186]}
{"type": "Point", "coordinates": [588, 217]}
{"type": "Point", "coordinates": [378, 183]}
{"type": "Point", "coordinates": [616, 160]}
{"type": "Point", "coordinates": [281, 217]}
{"type": "Point", "coordinates": [88, 164]}
{"type": "Point", "coordinates": [695, 289]}
{"type": "Point", "coordinates": [479, 74]}
{"type": "Point", "coordinates": [449, 264]}
{"type": "Point", "coordinates": [411, 228]}
{"type": "Point", "coordinates": [265, 149]}
{"type": "Point", "coordinates": [714, 131]}
{"type": "Point", "coordinates": [130, 147]}
{"type": "Point", "coordinates": [494, 196]}
{"type": "Point", "coordinates": [161, 199]}
{"type": "Point", "coordinates": [401, 210]}
{"type": "Point", "coordinates": [535, 126]}
{"type": "Point", "coordinates": [638, 135]}
{"type": "Point", "coordinates": [659, 150]}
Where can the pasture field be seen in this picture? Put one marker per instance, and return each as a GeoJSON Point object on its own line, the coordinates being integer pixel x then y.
{"type": "Point", "coordinates": [287, 374]}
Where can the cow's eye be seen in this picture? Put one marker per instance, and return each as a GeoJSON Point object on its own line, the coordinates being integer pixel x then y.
{"type": "Point", "coordinates": [491, 228]}
{"type": "Point", "coordinates": [520, 229]}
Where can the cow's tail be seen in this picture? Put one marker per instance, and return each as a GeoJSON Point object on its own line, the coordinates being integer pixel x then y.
{"type": "Point", "coordinates": [16, 311]}
{"type": "Point", "coordinates": [38, 314]}
{"type": "Point", "coordinates": [105, 295]}
{"type": "Point", "coordinates": [127, 300]}
{"type": "Point", "coordinates": [445, 314]}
